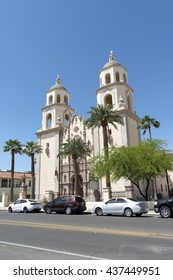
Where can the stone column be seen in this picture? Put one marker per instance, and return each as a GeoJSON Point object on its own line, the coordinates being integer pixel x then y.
{"type": "Point", "coordinates": [56, 194]}
{"type": "Point", "coordinates": [5, 199]}
{"type": "Point", "coordinates": [129, 190]}
{"type": "Point", "coordinates": [106, 194]}
{"type": "Point", "coordinates": [49, 195]}
{"type": "Point", "coordinates": [23, 191]}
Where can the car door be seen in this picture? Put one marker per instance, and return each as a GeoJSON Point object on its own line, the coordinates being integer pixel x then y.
{"type": "Point", "coordinates": [55, 204]}
{"type": "Point", "coordinates": [17, 206]}
{"type": "Point", "coordinates": [110, 206]}
{"type": "Point", "coordinates": [120, 205]}
{"type": "Point", "coordinates": [63, 202]}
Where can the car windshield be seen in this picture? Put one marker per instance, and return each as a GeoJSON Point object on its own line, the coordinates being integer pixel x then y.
{"type": "Point", "coordinates": [132, 199]}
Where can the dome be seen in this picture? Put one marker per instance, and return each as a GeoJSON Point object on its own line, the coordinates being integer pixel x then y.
{"type": "Point", "coordinates": [112, 62]}
{"type": "Point", "coordinates": [58, 85]}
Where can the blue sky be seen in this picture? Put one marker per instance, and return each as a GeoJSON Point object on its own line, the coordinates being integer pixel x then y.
{"type": "Point", "coordinates": [40, 39]}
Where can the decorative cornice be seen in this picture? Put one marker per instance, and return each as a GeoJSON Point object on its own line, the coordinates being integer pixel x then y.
{"type": "Point", "coordinates": [112, 65]}
{"type": "Point", "coordinates": [50, 130]}
{"type": "Point", "coordinates": [129, 113]}
{"type": "Point", "coordinates": [47, 107]}
{"type": "Point", "coordinates": [106, 87]}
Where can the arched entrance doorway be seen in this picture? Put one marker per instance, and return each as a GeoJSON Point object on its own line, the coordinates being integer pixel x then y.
{"type": "Point", "coordinates": [80, 186]}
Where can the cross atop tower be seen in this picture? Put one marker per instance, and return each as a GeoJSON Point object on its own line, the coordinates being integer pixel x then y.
{"type": "Point", "coordinates": [111, 56]}
{"type": "Point", "coordinates": [58, 80]}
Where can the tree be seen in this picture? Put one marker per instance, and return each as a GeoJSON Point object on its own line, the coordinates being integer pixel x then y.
{"type": "Point", "coordinates": [15, 147]}
{"type": "Point", "coordinates": [145, 161]}
{"type": "Point", "coordinates": [102, 116]}
{"type": "Point", "coordinates": [30, 149]}
{"type": "Point", "coordinates": [146, 124]}
{"type": "Point", "coordinates": [76, 149]}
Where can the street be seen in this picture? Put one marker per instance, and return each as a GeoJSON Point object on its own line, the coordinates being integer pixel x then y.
{"type": "Point", "coordinates": [86, 236]}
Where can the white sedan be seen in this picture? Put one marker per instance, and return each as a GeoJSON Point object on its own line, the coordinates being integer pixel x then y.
{"type": "Point", "coordinates": [25, 205]}
{"type": "Point", "coordinates": [121, 206]}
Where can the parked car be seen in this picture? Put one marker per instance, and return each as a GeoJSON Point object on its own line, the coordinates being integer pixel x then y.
{"type": "Point", "coordinates": [164, 207]}
{"type": "Point", "coordinates": [121, 206]}
{"type": "Point", "coordinates": [25, 205]}
{"type": "Point", "coordinates": [67, 204]}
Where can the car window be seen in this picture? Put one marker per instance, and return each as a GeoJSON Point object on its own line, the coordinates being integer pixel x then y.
{"type": "Point", "coordinates": [18, 201]}
{"type": "Point", "coordinates": [79, 199]}
{"type": "Point", "coordinates": [57, 199]}
{"type": "Point", "coordinates": [121, 200]}
{"type": "Point", "coordinates": [23, 201]}
{"type": "Point", "coordinates": [112, 201]}
{"type": "Point", "coordinates": [64, 198]}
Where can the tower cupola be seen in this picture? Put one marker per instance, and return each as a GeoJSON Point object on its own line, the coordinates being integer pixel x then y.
{"type": "Point", "coordinates": [58, 80]}
{"type": "Point", "coordinates": [114, 88]}
{"type": "Point", "coordinates": [111, 56]}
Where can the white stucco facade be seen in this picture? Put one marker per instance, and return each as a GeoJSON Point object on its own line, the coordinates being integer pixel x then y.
{"type": "Point", "coordinates": [59, 124]}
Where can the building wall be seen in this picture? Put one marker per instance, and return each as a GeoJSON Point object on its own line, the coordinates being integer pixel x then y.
{"type": "Point", "coordinates": [5, 182]}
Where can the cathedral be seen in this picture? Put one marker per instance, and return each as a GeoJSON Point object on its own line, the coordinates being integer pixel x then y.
{"type": "Point", "coordinates": [60, 123]}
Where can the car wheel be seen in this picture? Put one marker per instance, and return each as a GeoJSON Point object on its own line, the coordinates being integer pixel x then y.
{"type": "Point", "coordinates": [25, 210]}
{"type": "Point", "coordinates": [99, 211]}
{"type": "Point", "coordinates": [138, 214]}
{"type": "Point", "coordinates": [68, 210]}
{"type": "Point", "coordinates": [128, 212]}
{"type": "Point", "coordinates": [48, 210]}
{"type": "Point", "coordinates": [165, 212]}
{"type": "Point", "coordinates": [10, 210]}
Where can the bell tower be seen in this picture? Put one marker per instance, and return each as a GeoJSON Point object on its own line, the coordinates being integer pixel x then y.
{"type": "Point", "coordinates": [115, 90]}
{"type": "Point", "coordinates": [57, 107]}
{"type": "Point", "coordinates": [56, 115]}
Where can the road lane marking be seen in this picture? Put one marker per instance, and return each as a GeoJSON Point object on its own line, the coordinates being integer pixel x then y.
{"type": "Point", "coordinates": [87, 229]}
{"type": "Point", "coordinates": [51, 250]}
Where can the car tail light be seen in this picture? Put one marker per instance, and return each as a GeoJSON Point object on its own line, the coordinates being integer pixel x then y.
{"type": "Point", "coordinates": [77, 203]}
{"type": "Point", "coordinates": [138, 204]}
{"type": "Point", "coordinates": [33, 203]}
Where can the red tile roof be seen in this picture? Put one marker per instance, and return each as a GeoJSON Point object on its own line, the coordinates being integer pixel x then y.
{"type": "Point", "coordinates": [17, 175]}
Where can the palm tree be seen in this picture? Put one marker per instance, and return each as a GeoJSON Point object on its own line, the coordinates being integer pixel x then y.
{"type": "Point", "coordinates": [13, 146]}
{"type": "Point", "coordinates": [77, 149]}
{"type": "Point", "coordinates": [102, 116]}
{"type": "Point", "coordinates": [146, 124]}
{"type": "Point", "coordinates": [30, 149]}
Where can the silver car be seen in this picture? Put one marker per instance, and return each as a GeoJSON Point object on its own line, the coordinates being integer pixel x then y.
{"type": "Point", "coordinates": [121, 206]}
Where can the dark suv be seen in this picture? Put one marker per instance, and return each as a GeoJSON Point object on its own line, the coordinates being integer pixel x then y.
{"type": "Point", "coordinates": [67, 204]}
{"type": "Point", "coordinates": [164, 207]}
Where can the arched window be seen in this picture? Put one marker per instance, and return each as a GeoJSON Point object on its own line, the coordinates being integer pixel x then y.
{"type": "Point", "coordinates": [66, 119]}
{"type": "Point", "coordinates": [89, 144]}
{"type": "Point", "coordinates": [49, 120]}
{"type": "Point", "coordinates": [117, 76]}
{"type": "Point", "coordinates": [58, 98]}
{"type": "Point", "coordinates": [108, 78]}
{"type": "Point", "coordinates": [65, 178]}
{"type": "Point", "coordinates": [108, 99]}
{"type": "Point", "coordinates": [50, 99]}
{"type": "Point", "coordinates": [129, 103]}
{"type": "Point", "coordinates": [124, 78]}
{"type": "Point", "coordinates": [65, 100]}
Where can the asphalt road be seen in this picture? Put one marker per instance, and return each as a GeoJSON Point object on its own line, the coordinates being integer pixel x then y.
{"type": "Point", "coordinates": [61, 237]}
